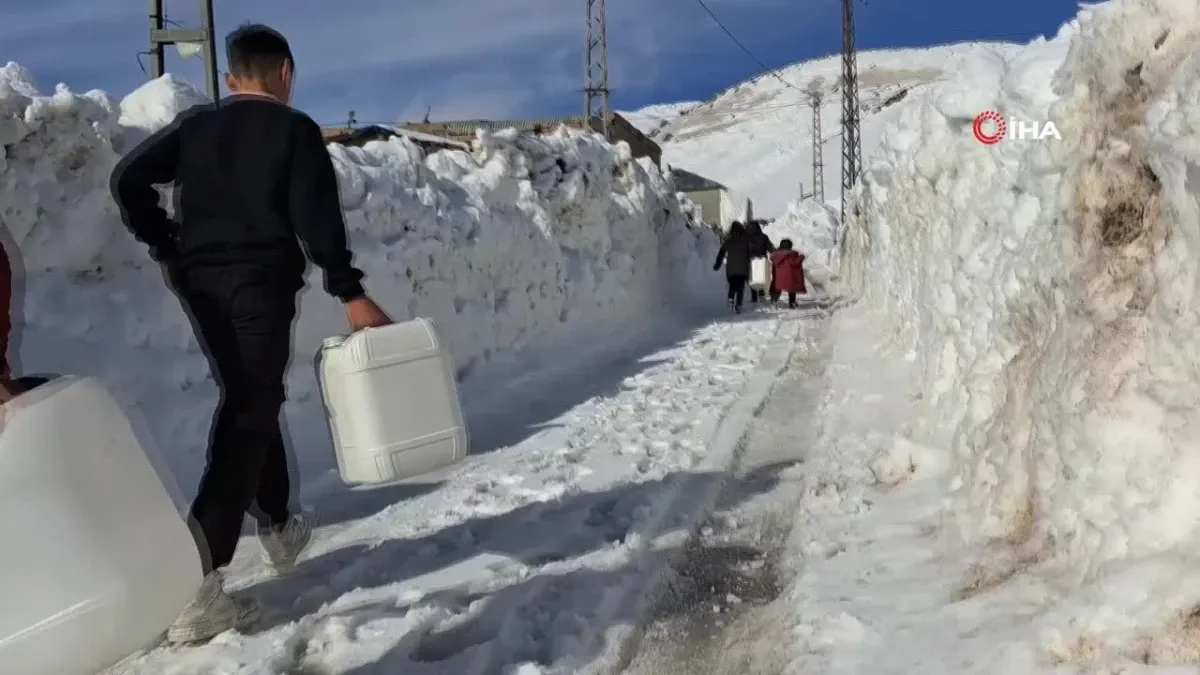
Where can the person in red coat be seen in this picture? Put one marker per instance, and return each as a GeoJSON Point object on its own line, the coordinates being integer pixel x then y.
{"type": "Point", "coordinates": [11, 386]}
{"type": "Point", "coordinates": [787, 273]}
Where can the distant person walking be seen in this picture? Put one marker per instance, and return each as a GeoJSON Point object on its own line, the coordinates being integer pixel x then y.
{"type": "Point", "coordinates": [735, 255]}
{"type": "Point", "coordinates": [256, 192]}
{"type": "Point", "coordinates": [760, 247]}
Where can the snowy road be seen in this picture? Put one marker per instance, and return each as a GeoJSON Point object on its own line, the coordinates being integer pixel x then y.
{"type": "Point", "coordinates": [528, 554]}
{"type": "Point", "coordinates": [720, 614]}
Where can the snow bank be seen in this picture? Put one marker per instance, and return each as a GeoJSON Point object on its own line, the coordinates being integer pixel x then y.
{"type": "Point", "coordinates": [812, 228]}
{"type": "Point", "coordinates": [1047, 291]}
{"type": "Point", "coordinates": [523, 243]}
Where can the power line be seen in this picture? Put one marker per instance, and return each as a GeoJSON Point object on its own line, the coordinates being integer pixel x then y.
{"type": "Point", "coordinates": [772, 71]}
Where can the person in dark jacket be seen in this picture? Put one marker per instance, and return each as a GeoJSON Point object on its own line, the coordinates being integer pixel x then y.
{"type": "Point", "coordinates": [787, 273]}
{"type": "Point", "coordinates": [760, 247]}
{"type": "Point", "coordinates": [735, 255]}
{"type": "Point", "coordinates": [257, 194]}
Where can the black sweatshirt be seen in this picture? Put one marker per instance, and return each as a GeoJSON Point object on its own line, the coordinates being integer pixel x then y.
{"type": "Point", "coordinates": [254, 182]}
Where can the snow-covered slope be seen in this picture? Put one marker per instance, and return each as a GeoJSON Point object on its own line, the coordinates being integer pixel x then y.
{"type": "Point", "coordinates": [518, 245]}
{"type": "Point", "coordinates": [756, 137]}
{"type": "Point", "coordinates": [1046, 294]}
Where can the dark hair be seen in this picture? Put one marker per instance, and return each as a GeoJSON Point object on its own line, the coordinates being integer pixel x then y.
{"type": "Point", "coordinates": [736, 230]}
{"type": "Point", "coordinates": [786, 245]}
{"type": "Point", "coordinates": [255, 50]}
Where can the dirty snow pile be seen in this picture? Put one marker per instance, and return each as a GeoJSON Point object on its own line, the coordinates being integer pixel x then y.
{"type": "Point", "coordinates": [525, 242]}
{"type": "Point", "coordinates": [812, 228]}
{"type": "Point", "coordinates": [1046, 296]}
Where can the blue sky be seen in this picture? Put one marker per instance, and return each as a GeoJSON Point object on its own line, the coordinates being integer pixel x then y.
{"type": "Point", "coordinates": [390, 60]}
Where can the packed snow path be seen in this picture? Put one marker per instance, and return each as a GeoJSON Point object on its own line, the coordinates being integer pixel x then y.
{"type": "Point", "coordinates": [719, 614]}
{"type": "Point", "coordinates": [530, 554]}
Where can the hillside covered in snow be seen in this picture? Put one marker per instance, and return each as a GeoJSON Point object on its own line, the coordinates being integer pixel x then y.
{"type": "Point", "coordinates": [756, 137]}
{"type": "Point", "coordinates": [521, 244]}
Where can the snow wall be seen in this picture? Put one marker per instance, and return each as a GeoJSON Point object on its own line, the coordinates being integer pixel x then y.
{"type": "Point", "coordinates": [811, 227]}
{"type": "Point", "coordinates": [734, 207]}
{"type": "Point", "coordinates": [522, 244]}
{"type": "Point", "coordinates": [1048, 294]}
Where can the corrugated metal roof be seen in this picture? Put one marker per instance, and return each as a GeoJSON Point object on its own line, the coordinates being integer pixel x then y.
{"type": "Point", "coordinates": [622, 128]}
{"type": "Point", "coordinates": [469, 126]}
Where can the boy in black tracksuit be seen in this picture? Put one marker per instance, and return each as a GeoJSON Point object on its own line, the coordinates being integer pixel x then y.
{"type": "Point", "coordinates": [256, 191]}
{"type": "Point", "coordinates": [760, 247]}
{"type": "Point", "coordinates": [735, 254]}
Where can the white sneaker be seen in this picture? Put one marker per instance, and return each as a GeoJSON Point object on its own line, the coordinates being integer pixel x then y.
{"type": "Point", "coordinates": [283, 545]}
{"type": "Point", "coordinates": [211, 613]}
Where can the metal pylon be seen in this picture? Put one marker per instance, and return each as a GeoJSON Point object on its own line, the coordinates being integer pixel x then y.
{"type": "Point", "coordinates": [815, 99]}
{"type": "Point", "coordinates": [851, 142]}
{"type": "Point", "coordinates": [596, 55]}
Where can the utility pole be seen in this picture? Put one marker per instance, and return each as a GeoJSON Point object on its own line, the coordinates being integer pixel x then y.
{"type": "Point", "coordinates": [158, 52]}
{"type": "Point", "coordinates": [161, 36]}
{"type": "Point", "coordinates": [596, 68]}
{"type": "Point", "coordinates": [851, 142]}
{"type": "Point", "coordinates": [815, 99]}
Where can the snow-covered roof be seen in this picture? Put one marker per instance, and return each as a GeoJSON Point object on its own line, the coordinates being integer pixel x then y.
{"type": "Point", "coordinates": [430, 138]}
{"type": "Point", "coordinates": [347, 136]}
{"type": "Point", "coordinates": [692, 182]}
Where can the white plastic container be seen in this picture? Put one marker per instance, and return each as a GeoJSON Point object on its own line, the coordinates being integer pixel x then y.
{"type": "Point", "coordinates": [392, 403]}
{"type": "Point", "coordinates": [95, 559]}
{"type": "Point", "coordinates": [760, 273]}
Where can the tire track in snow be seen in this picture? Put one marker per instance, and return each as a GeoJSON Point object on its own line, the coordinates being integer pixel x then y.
{"type": "Point", "coordinates": [719, 613]}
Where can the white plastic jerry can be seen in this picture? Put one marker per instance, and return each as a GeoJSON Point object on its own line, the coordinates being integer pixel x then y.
{"type": "Point", "coordinates": [760, 273]}
{"type": "Point", "coordinates": [391, 402]}
{"type": "Point", "coordinates": [95, 559]}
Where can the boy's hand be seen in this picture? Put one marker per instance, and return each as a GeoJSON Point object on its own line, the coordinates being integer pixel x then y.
{"type": "Point", "coordinates": [363, 313]}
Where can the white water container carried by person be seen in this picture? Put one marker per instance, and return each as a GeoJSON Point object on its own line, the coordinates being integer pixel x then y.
{"type": "Point", "coordinates": [96, 559]}
{"type": "Point", "coordinates": [391, 402]}
{"type": "Point", "coordinates": [760, 274]}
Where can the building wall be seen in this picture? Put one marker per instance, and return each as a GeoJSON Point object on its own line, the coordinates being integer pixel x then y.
{"type": "Point", "coordinates": [710, 202]}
